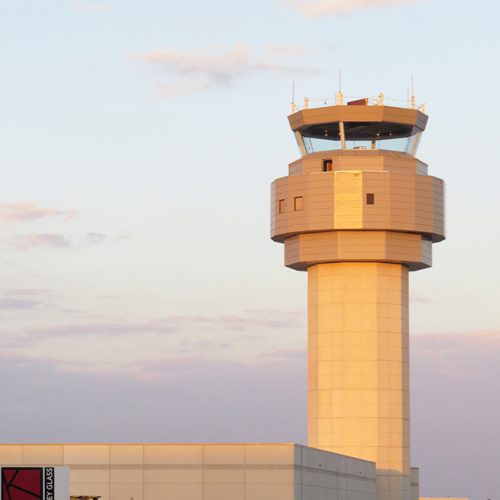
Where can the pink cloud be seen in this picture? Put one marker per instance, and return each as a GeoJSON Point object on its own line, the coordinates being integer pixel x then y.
{"type": "Point", "coordinates": [90, 7]}
{"type": "Point", "coordinates": [319, 8]}
{"type": "Point", "coordinates": [26, 211]}
{"type": "Point", "coordinates": [29, 241]}
{"type": "Point", "coordinates": [196, 71]}
{"type": "Point", "coordinates": [294, 50]}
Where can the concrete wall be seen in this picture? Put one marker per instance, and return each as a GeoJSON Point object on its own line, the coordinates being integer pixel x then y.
{"type": "Point", "coordinates": [202, 471]}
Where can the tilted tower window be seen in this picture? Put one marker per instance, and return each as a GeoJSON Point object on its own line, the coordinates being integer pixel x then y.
{"type": "Point", "coordinates": [370, 198]}
{"type": "Point", "coordinates": [281, 206]}
{"type": "Point", "coordinates": [389, 136]}
{"type": "Point", "coordinates": [327, 165]}
{"type": "Point", "coordinates": [298, 203]}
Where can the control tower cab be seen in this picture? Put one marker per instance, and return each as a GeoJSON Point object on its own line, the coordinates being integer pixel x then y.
{"type": "Point", "coordinates": [358, 193]}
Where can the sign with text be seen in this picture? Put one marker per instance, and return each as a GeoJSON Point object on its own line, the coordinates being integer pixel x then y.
{"type": "Point", "coordinates": [34, 483]}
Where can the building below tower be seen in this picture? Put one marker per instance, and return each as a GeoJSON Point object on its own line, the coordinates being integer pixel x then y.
{"type": "Point", "coordinates": [246, 471]}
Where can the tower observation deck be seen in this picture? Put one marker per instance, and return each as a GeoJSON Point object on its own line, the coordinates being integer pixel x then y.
{"type": "Point", "coordinates": [358, 211]}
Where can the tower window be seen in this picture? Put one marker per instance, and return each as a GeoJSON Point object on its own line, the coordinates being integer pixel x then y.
{"type": "Point", "coordinates": [327, 165]}
{"type": "Point", "coordinates": [281, 206]}
{"type": "Point", "coordinates": [298, 203]}
{"type": "Point", "coordinates": [370, 198]}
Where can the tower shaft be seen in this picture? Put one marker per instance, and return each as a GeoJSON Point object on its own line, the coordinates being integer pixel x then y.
{"type": "Point", "coordinates": [358, 368]}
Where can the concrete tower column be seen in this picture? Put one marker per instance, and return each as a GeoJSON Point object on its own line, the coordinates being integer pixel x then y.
{"type": "Point", "coordinates": [358, 212]}
{"type": "Point", "coordinates": [358, 367]}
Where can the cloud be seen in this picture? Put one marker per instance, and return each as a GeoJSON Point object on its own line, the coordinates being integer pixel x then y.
{"type": "Point", "coordinates": [23, 292]}
{"type": "Point", "coordinates": [90, 7]}
{"type": "Point", "coordinates": [198, 71]}
{"type": "Point", "coordinates": [295, 50]}
{"type": "Point", "coordinates": [29, 241]}
{"type": "Point", "coordinates": [455, 410]}
{"type": "Point", "coordinates": [93, 238]}
{"type": "Point", "coordinates": [96, 238]}
{"type": "Point", "coordinates": [459, 356]}
{"type": "Point", "coordinates": [27, 299]}
{"type": "Point", "coordinates": [54, 240]}
{"type": "Point", "coordinates": [24, 304]}
{"type": "Point", "coordinates": [318, 8]}
{"type": "Point", "coordinates": [122, 342]}
{"type": "Point", "coordinates": [104, 329]}
{"type": "Point", "coordinates": [238, 402]}
{"type": "Point", "coordinates": [26, 211]}
{"type": "Point", "coordinates": [247, 321]}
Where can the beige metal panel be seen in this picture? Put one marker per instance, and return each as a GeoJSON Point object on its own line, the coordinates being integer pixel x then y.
{"type": "Point", "coordinates": [348, 200]}
{"type": "Point", "coordinates": [11, 454]}
{"type": "Point", "coordinates": [224, 491]}
{"type": "Point", "coordinates": [309, 249]}
{"type": "Point", "coordinates": [391, 161]}
{"type": "Point", "coordinates": [166, 475]}
{"type": "Point", "coordinates": [223, 454]}
{"type": "Point", "coordinates": [266, 454]}
{"type": "Point", "coordinates": [87, 454]}
{"type": "Point", "coordinates": [274, 491]}
{"type": "Point", "coordinates": [43, 454]}
{"type": "Point", "coordinates": [127, 475]}
{"type": "Point", "coordinates": [270, 476]}
{"type": "Point", "coordinates": [173, 454]}
{"type": "Point", "coordinates": [192, 491]}
{"type": "Point", "coordinates": [124, 454]}
{"type": "Point", "coordinates": [377, 215]}
{"type": "Point", "coordinates": [90, 474]}
{"type": "Point", "coordinates": [126, 491]}
{"type": "Point", "coordinates": [224, 475]}
{"type": "Point", "coordinates": [329, 114]}
{"type": "Point", "coordinates": [439, 191]}
{"type": "Point", "coordinates": [317, 211]}
{"type": "Point", "coordinates": [338, 201]}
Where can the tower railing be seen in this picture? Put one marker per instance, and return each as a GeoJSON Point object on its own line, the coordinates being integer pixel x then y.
{"type": "Point", "coordinates": [340, 99]}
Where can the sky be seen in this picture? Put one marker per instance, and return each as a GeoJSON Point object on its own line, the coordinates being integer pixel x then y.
{"type": "Point", "coordinates": [138, 143]}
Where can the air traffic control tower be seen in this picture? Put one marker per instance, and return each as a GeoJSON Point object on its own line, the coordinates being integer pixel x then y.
{"type": "Point", "coordinates": [358, 211]}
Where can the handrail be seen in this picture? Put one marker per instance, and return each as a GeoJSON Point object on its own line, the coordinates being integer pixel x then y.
{"type": "Point", "coordinates": [377, 100]}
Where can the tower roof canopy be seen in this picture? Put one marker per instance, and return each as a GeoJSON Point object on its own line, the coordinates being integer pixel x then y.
{"type": "Point", "coordinates": [368, 119]}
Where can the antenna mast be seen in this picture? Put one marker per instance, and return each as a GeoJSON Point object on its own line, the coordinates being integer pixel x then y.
{"type": "Point", "coordinates": [339, 96]}
{"type": "Point", "coordinates": [412, 98]}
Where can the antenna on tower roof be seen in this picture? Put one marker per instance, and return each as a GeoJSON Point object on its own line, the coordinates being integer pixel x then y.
{"type": "Point", "coordinates": [339, 96]}
{"type": "Point", "coordinates": [412, 97]}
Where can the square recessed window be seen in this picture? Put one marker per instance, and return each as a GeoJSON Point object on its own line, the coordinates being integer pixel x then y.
{"type": "Point", "coordinates": [298, 203]}
{"type": "Point", "coordinates": [327, 165]}
{"type": "Point", "coordinates": [281, 206]}
{"type": "Point", "coordinates": [370, 198]}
